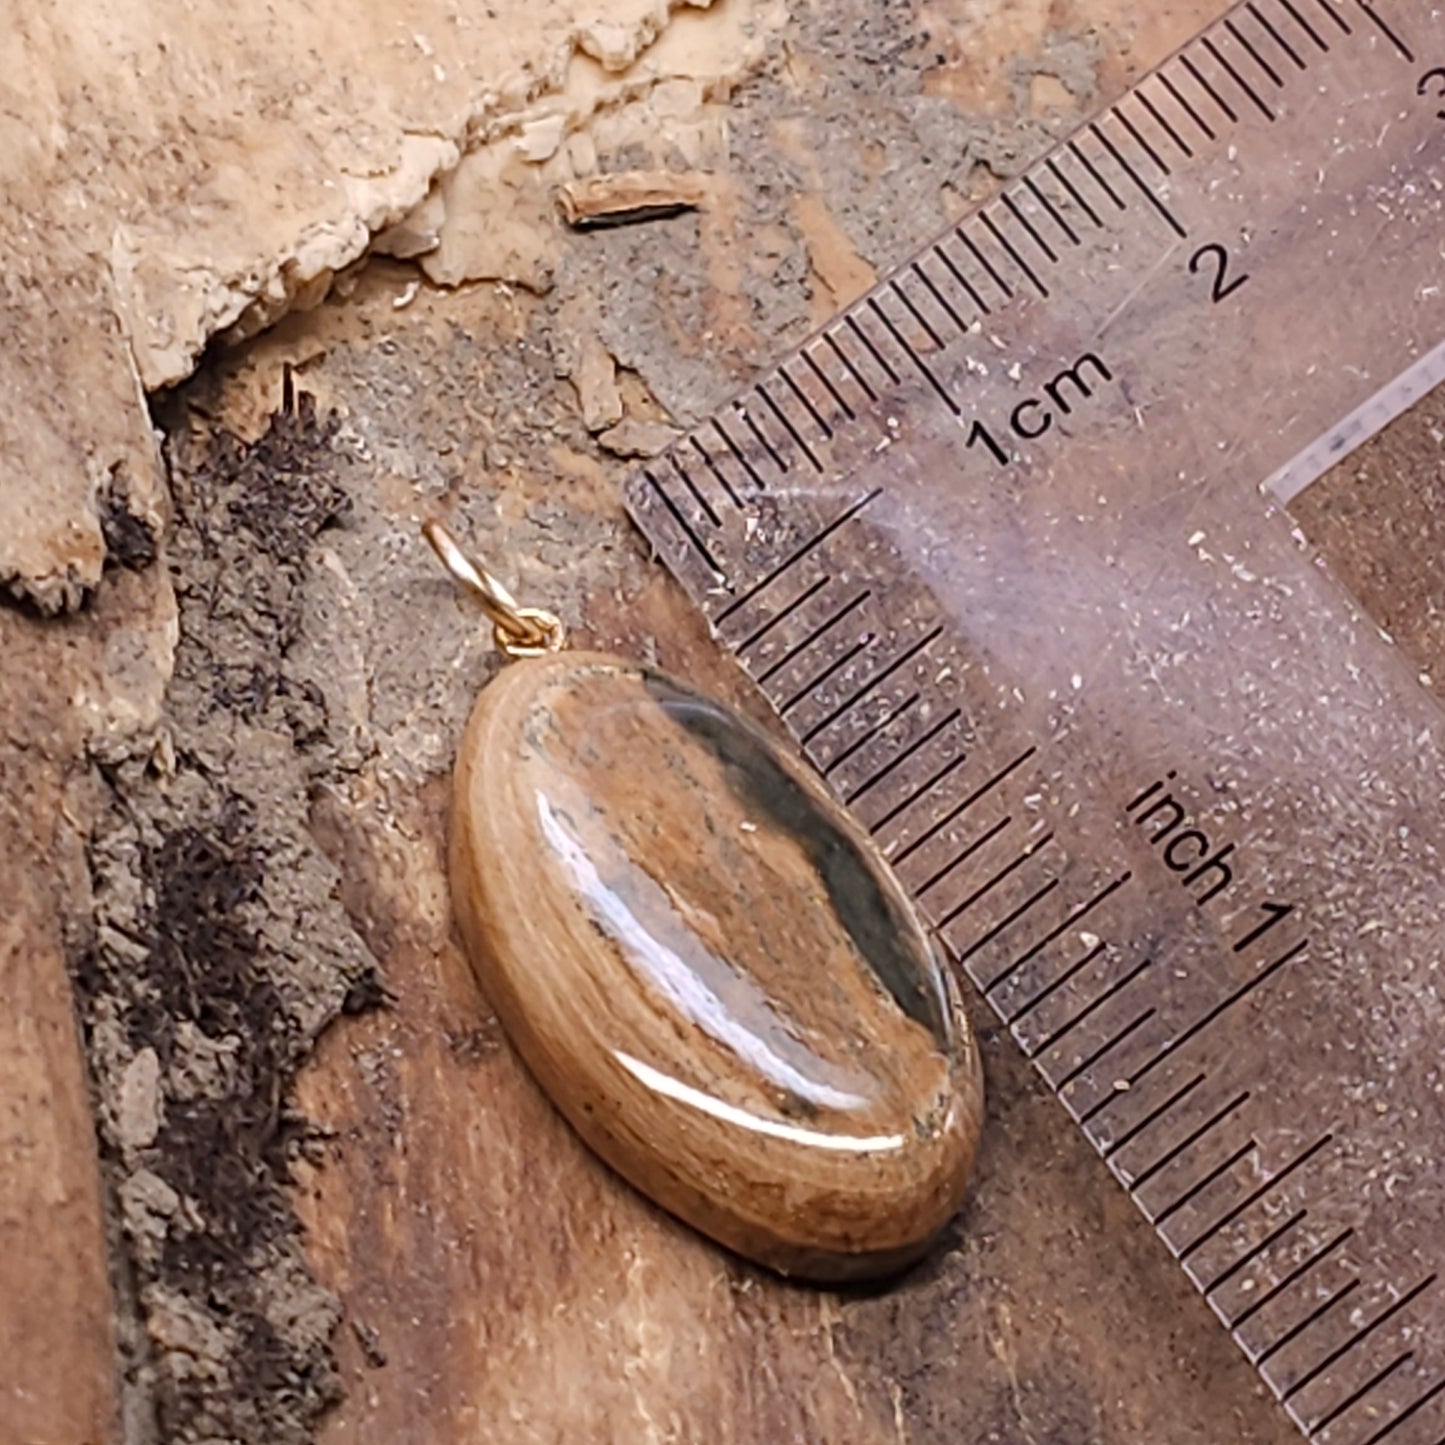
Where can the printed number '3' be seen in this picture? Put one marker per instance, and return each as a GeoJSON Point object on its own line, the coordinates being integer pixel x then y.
{"type": "Point", "coordinates": [1432, 84]}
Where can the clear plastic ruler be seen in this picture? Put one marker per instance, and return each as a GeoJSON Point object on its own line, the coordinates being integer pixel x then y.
{"type": "Point", "coordinates": [1001, 546]}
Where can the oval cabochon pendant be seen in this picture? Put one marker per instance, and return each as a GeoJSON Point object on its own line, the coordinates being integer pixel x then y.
{"type": "Point", "coordinates": [703, 962]}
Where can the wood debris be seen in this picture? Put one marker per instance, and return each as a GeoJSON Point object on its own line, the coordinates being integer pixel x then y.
{"type": "Point", "coordinates": [636, 437]}
{"type": "Point", "coordinates": [626, 197]}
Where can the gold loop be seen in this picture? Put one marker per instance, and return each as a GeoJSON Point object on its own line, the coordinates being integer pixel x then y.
{"type": "Point", "coordinates": [547, 634]}
{"type": "Point", "coordinates": [519, 631]}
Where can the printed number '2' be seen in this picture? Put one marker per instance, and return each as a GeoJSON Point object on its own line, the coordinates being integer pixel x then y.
{"type": "Point", "coordinates": [1215, 256]}
{"type": "Point", "coordinates": [1432, 84]}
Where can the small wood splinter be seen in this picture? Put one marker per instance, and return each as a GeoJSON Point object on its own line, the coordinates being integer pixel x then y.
{"type": "Point", "coordinates": [628, 197]}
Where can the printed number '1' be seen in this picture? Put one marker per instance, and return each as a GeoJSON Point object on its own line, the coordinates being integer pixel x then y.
{"type": "Point", "coordinates": [1224, 284]}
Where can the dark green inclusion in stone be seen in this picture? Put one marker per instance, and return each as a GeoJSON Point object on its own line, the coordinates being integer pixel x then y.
{"type": "Point", "coordinates": [891, 943]}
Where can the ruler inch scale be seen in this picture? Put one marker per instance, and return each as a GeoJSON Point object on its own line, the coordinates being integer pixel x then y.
{"type": "Point", "coordinates": [1000, 546]}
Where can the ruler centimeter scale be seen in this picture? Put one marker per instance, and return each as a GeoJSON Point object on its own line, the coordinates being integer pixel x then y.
{"type": "Point", "coordinates": [1000, 546]}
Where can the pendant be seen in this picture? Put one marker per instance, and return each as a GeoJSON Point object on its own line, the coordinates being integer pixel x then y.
{"type": "Point", "coordinates": [703, 961]}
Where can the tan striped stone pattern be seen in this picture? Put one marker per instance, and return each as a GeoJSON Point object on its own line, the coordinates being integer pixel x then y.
{"type": "Point", "coordinates": [709, 970]}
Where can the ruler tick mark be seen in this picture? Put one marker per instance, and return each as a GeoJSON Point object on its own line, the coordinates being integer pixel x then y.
{"type": "Point", "coordinates": [1335, 16]}
{"type": "Point", "coordinates": [1013, 254]}
{"type": "Point", "coordinates": [1163, 123]}
{"type": "Point", "coordinates": [801, 600]}
{"type": "Point", "coordinates": [1378, 20]}
{"type": "Point", "coordinates": [1017, 213]}
{"type": "Point", "coordinates": [1059, 219]}
{"type": "Point", "coordinates": [1075, 194]}
{"type": "Point", "coordinates": [713, 467]}
{"type": "Point", "coordinates": [826, 382]}
{"type": "Point", "coordinates": [1171, 1047]}
{"type": "Point", "coordinates": [1031, 850]}
{"type": "Point", "coordinates": [915, 747]}
{"type": "Point", "coordinates": [1070, 973]}
{"type": "Point", "coordinates": [837, 665]}
{"type": "Point", "coordinates": [1305, 25]}
{"type": "Point", "coordinates": [962, 280]}
{"type": "Point", "coordinates": [1360, 1336]}
{"type": "Point", "coordinates": [907, 802]}
{"type": "Point", "coordinates": [1187, 106]}
{"type": "Point", "coordinates": [1253, 1198]}
{"type": "Point", "coordinates": [1076, 917]}
{"type": "Point", "coordinates": [747, 419]}
{"type": "Point", "coordinates": [1198, 1188]}
{"type": "Point", "coordinates": [1324, 1421]}
{"type": "Point", "coordinates": [1122, 117]}
{"type": "Point", "coordinates": [1138, 1181]}
{"type": "Point", "coordinates": [687, 528]}
{"type": "Point", "coordinates": [692, 487]}
{"type": "Point", "coordinates": [924, 369]}
{"type": "Point", "coordinates": [819, 420]}
{"type": "Point", "coordinates": [832, 342]}
{"type": "Point", "coordinates": [940, 300]}
{"type": "Point", "coordinates": [902, 661]}
{"type": "Point", "coordinates": [1409, 1412]}
{"type": "Point", "coordinates": [1253, 1253]}
{"type": "Point", "coordinates": [787, 426]}
{"type": "Point", "coordinates": [1238, 79]}
{"type": "Point", "coordinates": [1084, 1065]}
{"type": "Point", "coordinates": [738, 454]}
{"type": "Point", "coordinates": [1204, 85]}
{"type": "Point", "coordinates": [816, 635]}
{"type": "Point", "coordinates": [1145, 190]}
{"type": "Point", "coordinates": [1307, 1323]}
{"type": "Point", "coordinates": [1292, 1278]}
{"type": "Point", "coordinates": [1253, 54]}
{"type": "Point", "coordinates": [853, 325]}
{"type": "Point", "coordinates": [983, 261]}
{"type": "Point", "coordinates": [1004, 924]}
{"type": "Point", "coordinates": [1091, 1008]}
{"type": "Point", "coordinates": [1078, 154]}
{"type": "Point", "coordinates": [1263, 21]}
{"type": "Point", "coordinates": [873, 733]}
{"type": "Point", "coordinates": [1153, 1117]}
{"type": "Point", "coordinates": [796, 556]}
{"type": "Point", "coordinates": [967, 852]}
{"type": "Point", "coordinates": [896, 287]}
{"type": "Point", "coordinates": [960, 808]}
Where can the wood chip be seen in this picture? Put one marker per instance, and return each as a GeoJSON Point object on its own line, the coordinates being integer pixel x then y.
{"type": "Point", "coordinates": [627, 197]}
{"type": "Point", "coordinates": [634, 437]}
{"type": "Point", "coordinates": [595, 378]}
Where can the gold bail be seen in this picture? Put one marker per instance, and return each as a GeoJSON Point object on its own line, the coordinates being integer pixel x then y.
{"type": "Point", "coordinates": [518, 631]}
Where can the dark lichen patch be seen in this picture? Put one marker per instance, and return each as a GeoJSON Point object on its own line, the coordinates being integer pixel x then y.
{"type": "Point", "coordinates": [130, 541]}
{"type": "Point", "coordinates": [280, 500]}
{"type": "Point", "coordinates": [218, 955]}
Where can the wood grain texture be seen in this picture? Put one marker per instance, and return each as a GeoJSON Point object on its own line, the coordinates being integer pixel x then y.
{"type": "Point", "coordinates": [707, 967]}
{"type": "Point", "coordinates": [66, 686]}
{"type": "Point", "coordinates": [500, 1284]}
{"type": "Point", "coordinates": [175, 170]}
{"type": "Point", "coordinates": [56, 1357]}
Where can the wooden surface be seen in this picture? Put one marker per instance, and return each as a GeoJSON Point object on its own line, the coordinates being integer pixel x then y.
{"type": "Point", "coordinates": [55, 1324]}
{"type": "Point", "coordinates": [62, 681]}
{"type": "Point", "coordinates": [517, 1293]}
{"type": "Point", "coordinates": [175, 171]}
{"type": "Point", "coordinates": [497, 1283]}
